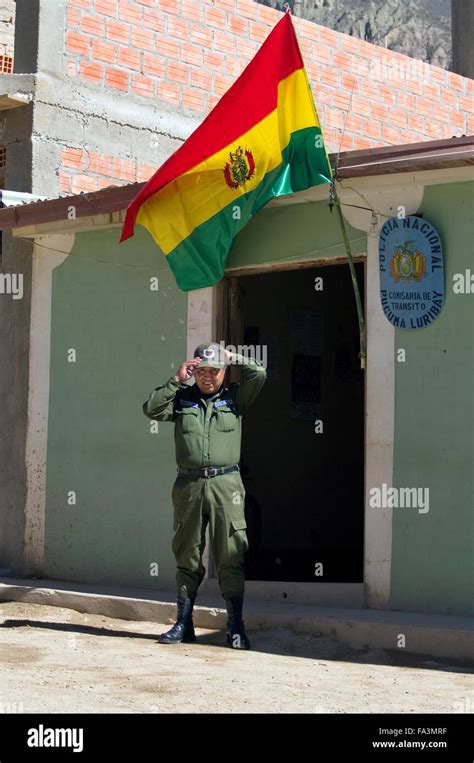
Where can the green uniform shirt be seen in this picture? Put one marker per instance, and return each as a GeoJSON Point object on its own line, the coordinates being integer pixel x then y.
{"type": "Point", "coordinates": [207, 431]}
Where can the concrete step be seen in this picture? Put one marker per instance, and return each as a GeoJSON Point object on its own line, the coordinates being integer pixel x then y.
{"type": "Point", "coordinates": [440, 636]}
{"type": "Point", "coordinates": [346, 595]}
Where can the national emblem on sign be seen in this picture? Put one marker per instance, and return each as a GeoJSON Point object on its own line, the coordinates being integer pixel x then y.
{"type": "Point", "coordinates": [240, 169]}
{"type": "Point", "coordinates": [407, 264]}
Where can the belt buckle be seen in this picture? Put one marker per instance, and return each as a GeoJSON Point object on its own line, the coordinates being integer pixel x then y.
{"type": "Point", "coordinates": [209, 469]}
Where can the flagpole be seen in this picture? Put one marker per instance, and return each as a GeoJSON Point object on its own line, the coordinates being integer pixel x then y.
{"type": "Point", "coordinates": [355, 285]}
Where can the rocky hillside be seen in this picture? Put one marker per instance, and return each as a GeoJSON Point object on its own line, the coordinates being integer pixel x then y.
{"type": "Point", "coordinates": [415, 28]}
{"type": "Point", "coordinates": [438, 7]}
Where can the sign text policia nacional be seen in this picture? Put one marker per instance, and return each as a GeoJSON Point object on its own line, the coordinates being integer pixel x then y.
{"type": "Point", "coordinates": [411, 272]}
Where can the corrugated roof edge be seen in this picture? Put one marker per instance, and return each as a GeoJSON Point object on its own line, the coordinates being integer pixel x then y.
{"type": "Point", "coordinates": [410, 157]}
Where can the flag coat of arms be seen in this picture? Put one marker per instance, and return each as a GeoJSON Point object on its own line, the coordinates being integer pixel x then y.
{"type": "Point", "coordinates": [263, 139]}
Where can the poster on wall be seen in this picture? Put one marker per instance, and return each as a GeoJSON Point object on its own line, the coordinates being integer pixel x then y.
{"type": "Point", "coordinates": [411, 272]}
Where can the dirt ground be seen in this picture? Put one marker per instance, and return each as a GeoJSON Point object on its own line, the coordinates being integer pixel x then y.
{"type": "Point", "coordinates": [59, 660]}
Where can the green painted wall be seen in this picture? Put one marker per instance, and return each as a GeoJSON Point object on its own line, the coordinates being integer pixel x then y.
{"type": "Point", "coordinates": [99, 443]}
{"type": "Point", "coordinates": [126, 338]}
{"type": "Point", "coordinates": [432, 563]}
{"type": "Point", "coordinates": [293, 233]}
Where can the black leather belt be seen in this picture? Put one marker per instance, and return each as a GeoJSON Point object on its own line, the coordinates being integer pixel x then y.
{"type": "Point", "coordinates": [208, 471]}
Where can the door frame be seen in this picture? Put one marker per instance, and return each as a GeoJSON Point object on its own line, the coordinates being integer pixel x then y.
{"type": "Point", "coordinates": [323, 594]}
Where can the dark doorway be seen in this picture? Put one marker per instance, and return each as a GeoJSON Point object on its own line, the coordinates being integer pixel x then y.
{"type": "Point", "coordinates": [303, 440]}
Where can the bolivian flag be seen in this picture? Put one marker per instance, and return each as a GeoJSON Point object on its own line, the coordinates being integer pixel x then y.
{"type": "Point", "coordinates": [262, 139]}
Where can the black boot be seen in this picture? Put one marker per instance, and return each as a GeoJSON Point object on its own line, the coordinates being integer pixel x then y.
{"type": "Point", "coordinates": [183, 629]}
{"type": "Point", "coordinates": [235, 635]}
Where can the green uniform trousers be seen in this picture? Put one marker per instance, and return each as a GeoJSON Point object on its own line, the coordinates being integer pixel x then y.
{"type": "Point", "coordinates": [218, 502]}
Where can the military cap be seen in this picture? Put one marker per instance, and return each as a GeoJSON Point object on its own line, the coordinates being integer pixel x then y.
{"type": "Point", "coordinates": [212, 356]}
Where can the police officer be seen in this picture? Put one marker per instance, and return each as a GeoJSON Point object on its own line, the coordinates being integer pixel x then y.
{"type": "Point", "coordinates": [208, 489]}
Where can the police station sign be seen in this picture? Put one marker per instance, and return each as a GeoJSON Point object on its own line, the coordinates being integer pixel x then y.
{"type": "Point", "coordinates": [411, 272]}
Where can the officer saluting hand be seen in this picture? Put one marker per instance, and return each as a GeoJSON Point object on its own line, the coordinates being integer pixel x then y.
{"type": "Point", "coordinates": [208, 489]}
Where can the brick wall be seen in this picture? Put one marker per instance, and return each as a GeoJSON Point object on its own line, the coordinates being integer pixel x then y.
{"type": "Point", "coordinates": [183, 55]}
{"type": "Point", "coordinates": [7, 34]}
